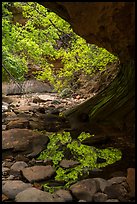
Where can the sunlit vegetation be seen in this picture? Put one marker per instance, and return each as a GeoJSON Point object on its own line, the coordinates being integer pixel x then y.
{"type": "Point", "coordinates": [42, 39]}
{"type": "Point", "coordinates": [61, 143]}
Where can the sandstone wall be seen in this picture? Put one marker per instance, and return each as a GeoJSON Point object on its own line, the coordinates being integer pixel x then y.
{"type": "Point", "coordinates": [107, 24]}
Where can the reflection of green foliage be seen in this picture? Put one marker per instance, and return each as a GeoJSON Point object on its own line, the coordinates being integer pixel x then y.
{"type": "Point", "coordinates": [85, 155]}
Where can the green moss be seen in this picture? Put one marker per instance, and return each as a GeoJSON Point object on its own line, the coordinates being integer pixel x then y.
{"type": "Point", "coordinates": [85, 155]}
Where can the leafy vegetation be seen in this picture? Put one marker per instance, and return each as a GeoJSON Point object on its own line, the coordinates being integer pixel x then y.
{"type": "Point", "coordinates": [61, 145]}
{"type": "Point", "coordinates": [41, 37]}
{"type": "Point", "coordinates": [13, 62]}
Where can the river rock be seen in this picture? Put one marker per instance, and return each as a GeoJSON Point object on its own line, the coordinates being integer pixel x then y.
{"type": "Point", "coordinates": [19, 123]}
{"type": "Point", "coordinates": [100, 197]}
{"type": "Point", "coordinates": [34, 195]}
{"type": "Point", "coordinates": [18, 166]}
{"type": "Point", "coordinates": [115, 180]}
{"type": "Point", "coordinates": [102, 183]}
{"type": "Point", "coordinates": [85, 189]}
{"type": "Point", "coordinates": [68, 163]}
{"type": "Point", "coordinates": [26, 109]}
{"type": "Point", "coordinates": [64, 194]}
{"type": "Point", "coordinates": [12, 188]}
{"type": "Point", "coordinates": [58, 198]}
{"type": "Point", "coordinates": [117, 188]}
{"type": "Point", "coordinates": [20, 157]}
{"type": "Point", "coordinates": [24, 141]}
{"type": "Point", "coordinates": [38, 173]}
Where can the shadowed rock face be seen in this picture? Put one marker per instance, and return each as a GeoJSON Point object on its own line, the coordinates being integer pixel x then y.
{"type": "Point", "coordinates": [107, 24]}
